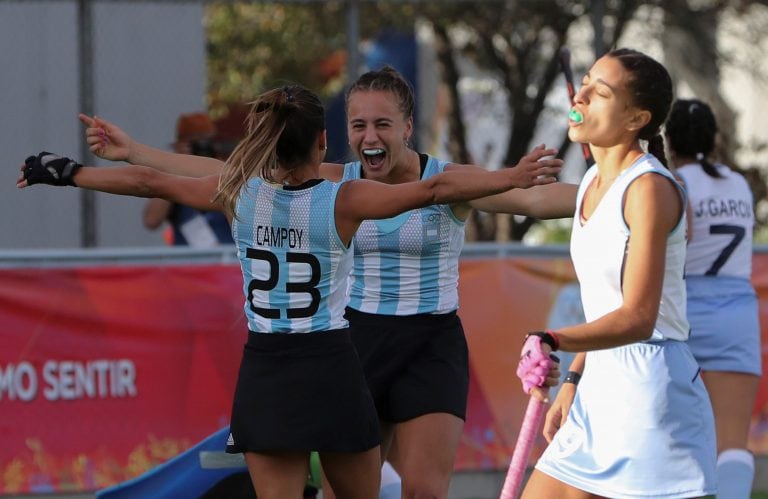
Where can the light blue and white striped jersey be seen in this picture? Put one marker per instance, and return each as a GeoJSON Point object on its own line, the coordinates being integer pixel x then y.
{"type": "Point", "coordinates": [599, 248]}
{"type": "Point", "coordinates": [295, 267]}
{"type": "Point", "coordinates": [408, 264]}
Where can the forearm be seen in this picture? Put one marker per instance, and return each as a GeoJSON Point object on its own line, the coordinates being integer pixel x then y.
{"type": "Point", "coordinates": [542, 201]}
{"type": "Point", "coordinates": [174, 163]}
{"type": "Point", "coordinates": [124, 180]}
{"type": "Point", "coordinates": [458, 186]}
{"type": "Point", "coordinates": [618, 328]}
{"type": "Point", "coordinates": [578, 363]}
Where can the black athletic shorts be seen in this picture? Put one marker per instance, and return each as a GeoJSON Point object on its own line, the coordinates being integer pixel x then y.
{"type": "Point", "coordinates": [414, 365]}
{"type": "Point", "coordinates": [302, 392]}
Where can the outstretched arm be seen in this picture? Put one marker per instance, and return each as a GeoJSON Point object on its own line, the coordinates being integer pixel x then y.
{"type": "Point", "coordinates": [554, 200]}
{"type": "Point", "coordinates": [134, 180]}
{"type": "Point", "coordinates": [108, 141]}
{"type": "Point", "coordinates": [362, 199]}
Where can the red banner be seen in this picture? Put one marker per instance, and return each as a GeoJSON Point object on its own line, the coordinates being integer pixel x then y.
{"type": "Point", "coordinates": [106, 372]}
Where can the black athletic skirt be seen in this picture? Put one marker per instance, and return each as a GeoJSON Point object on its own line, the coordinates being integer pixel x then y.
{"type": "Point", "coordinates": [302, 392]}
{"type": "Point", "coordinates": [414, 364]}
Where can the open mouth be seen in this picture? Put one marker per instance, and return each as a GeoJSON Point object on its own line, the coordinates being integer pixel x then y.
{"type": "Point", "coordinates": [374, 157]}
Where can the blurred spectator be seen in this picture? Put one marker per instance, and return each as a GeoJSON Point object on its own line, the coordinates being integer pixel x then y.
{"type": "Point", "coordinates": [230, 129]}
{"type": "Point", "coordinates": [195, 134]}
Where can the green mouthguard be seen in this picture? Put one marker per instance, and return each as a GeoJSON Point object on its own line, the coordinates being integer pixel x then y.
{"type": "Point", "coordinates": [575, 116]}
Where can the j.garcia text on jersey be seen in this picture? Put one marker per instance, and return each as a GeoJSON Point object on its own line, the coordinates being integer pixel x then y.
{"type": "Point", "coordinates": [714, 208]}
{"type": "Point", "coordinates": [278, 237]}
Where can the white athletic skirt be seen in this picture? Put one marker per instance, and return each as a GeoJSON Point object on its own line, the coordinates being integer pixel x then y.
{"type": "Point", "coordinates": [641, 425]}
{"type": "Point", "coordinates": [725, 326]}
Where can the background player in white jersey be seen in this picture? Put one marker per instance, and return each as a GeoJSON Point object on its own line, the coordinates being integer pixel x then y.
{"type": "Point", "coordinates": [300, 386]}
{"type": "Point", "coordinates": [640, 423]}
{"type": "Point", "coordinates": [722, 304]}
{"type": "Point", "coordinates": [404, 299]}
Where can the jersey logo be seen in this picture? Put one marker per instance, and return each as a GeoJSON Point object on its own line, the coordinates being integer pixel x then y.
{"type": "Point", "coordinates": [431, 232]}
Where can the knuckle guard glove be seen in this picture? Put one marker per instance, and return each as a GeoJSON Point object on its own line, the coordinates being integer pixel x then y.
{"type": "Point", "coordinates": [50, 169]}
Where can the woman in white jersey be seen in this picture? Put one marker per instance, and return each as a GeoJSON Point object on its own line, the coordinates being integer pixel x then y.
{"type": "Point", "coordinates": [300, 386]}
{"type": "Point", "coordinates": [404, 293]}
{"type": "Point", "coordinates": [640, 423]}
{"type": "Point", "coordinates": [722, 304]}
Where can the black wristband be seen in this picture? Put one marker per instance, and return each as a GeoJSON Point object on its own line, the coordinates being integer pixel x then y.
{"type": "Point", "coordinates": [572, 377]}
{"type": "Point", "coordinates": [546, 337]}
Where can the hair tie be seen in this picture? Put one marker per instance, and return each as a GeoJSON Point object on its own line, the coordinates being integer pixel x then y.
{"type": "Point", "coordinates": [288, 93]}
{"type": "Point", "coordinates": [693, 106]}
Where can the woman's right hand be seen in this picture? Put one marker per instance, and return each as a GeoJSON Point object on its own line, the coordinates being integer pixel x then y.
{"type": "Point", "coordinates": [538, 167]}
{"type": "Point", "coordinates": [106, 140]}
{"type": "Point", "coordinates": [537, 367]}
{"type": "Point", "coordinates": [558, 412]}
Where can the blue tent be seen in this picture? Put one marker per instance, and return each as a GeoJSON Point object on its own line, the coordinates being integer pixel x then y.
{"type": "Point", "coordinates": [204, 471]}
{"type": "Point", "coordinates": [189, 474]}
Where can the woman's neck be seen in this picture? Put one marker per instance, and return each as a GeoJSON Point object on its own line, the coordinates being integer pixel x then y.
{"type": "Point", "coordinates": [408, 169]}
{"type": "Point", "coordinates": [296, 176]}
{"type": "Point", "coordinates": [612, 161]}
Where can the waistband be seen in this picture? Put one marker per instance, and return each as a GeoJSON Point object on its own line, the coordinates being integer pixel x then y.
{"type": "Point", "coordinates": [415, 319]}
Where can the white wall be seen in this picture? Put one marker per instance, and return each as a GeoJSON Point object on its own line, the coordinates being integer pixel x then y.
{"type": "Point", "coordinates": [149, 67]}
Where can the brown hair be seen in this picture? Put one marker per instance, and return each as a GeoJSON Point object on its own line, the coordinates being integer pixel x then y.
{"type": "Point", "coordinates": [691, 130]}
{"type": "Point", "coordinates": [283, 125]}
{"type": "Point", "coordinates": [386, 79]}
{"type": "Point", "coordinates": [650, 87]}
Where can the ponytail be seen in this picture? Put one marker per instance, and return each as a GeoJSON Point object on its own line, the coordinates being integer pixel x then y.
{"type": "Point", "coordinates": [708, 167]}
{"type": "Point", "coordinates": [656, 147]}
{"type": "Point", "coordinates": [691, 129]}
{"type": "Point", "coordinates": [283, 125]}
{"type": "Point", "coordinates": [255, 153]}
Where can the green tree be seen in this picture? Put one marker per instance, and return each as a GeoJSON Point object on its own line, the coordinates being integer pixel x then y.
{"type": "Point", "coordinates": [256, 45]}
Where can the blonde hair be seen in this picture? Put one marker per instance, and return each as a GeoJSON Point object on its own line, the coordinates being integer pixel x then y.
{"type": "Point", "coordinates": [283, 125]}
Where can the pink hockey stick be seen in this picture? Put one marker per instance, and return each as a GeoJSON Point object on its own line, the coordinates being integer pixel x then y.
{"type": "Point", "coordinates": [534, 414]}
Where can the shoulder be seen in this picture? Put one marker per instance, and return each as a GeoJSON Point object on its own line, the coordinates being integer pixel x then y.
{"type": "Point", "coordinates": [354, 191]}
{"type": "Point", "coordinates": [654, 196]}
{"type": "Point", "coordinates": [728, 172]}
{"type": "Point", "coordinates": [651, 177]}
{"type": "Point", "coordinates": [654, 182]}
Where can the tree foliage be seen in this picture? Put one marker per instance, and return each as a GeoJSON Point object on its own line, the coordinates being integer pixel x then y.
{"type": "Point", "coordinates": [253, 46]}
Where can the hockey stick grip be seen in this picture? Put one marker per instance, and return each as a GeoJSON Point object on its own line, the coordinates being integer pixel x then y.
{"type": "Point", "coordinates": [534, 414]}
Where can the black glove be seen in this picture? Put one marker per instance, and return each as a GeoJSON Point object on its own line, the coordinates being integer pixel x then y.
{"type": "Point", "coordinates": [48, 168]}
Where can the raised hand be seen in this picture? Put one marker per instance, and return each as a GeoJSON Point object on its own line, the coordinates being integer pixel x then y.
{"type": "Point", "coordinates": [48, 168]}
{"type": "Point", "coordinates": [106, 140]}
{"type": "Point", "coordinates": [534, 169]}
